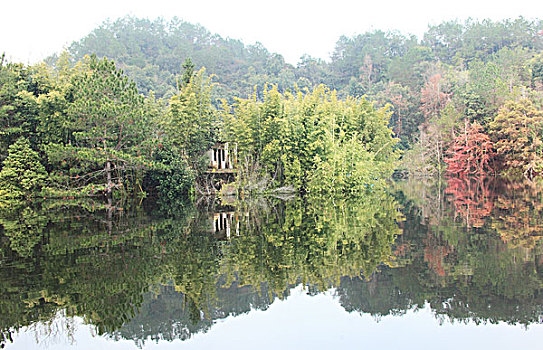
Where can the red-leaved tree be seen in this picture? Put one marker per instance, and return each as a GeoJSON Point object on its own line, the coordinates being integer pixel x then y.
{"type": "Point", "coordinates": [432, 97]}
{"type": "Point", "coordinates": [472, 152]}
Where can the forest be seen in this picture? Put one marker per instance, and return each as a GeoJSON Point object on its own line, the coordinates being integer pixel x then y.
{"type": "Point", "coordinates": [132, 108]}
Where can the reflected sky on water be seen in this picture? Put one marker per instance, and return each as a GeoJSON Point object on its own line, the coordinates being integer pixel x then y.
{"type": "Point", "coordinates": [316, 322]}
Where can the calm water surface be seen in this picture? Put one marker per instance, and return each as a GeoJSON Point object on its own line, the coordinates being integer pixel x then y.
{"type": "Point", "coordinates": [418, 265]}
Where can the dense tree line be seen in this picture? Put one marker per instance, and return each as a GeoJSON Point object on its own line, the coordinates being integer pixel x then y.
{"type": "Point", "coordinates": [74, 131]}
{"type": "Point", "coordinates": [313, 141]}
{"type": "Point", "coordinates": [457, 71]}
{"type": "Point", "coordinates": [138, 117]}
{"type": "Point", "coordinates": [458, 98]}
{"type": "Point", "coordinates": [152, 53]}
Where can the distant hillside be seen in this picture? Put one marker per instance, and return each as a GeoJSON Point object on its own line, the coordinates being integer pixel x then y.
{"type": "Point", "coordinates": [152, 52]}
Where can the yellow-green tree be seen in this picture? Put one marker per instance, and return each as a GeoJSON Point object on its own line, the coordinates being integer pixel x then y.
{"type": "Point", "coordinates": [517, 133]}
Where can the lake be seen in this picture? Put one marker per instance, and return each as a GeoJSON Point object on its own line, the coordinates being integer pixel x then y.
{"type": "Point", "coordinates": [419, 264]}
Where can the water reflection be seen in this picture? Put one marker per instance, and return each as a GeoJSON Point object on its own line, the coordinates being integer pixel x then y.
{"type": "Point", "coordinates": [169, 271]}
{"type": "Point", "coordinates": [479, 256]}
{"type": "Point", "coordinates": [510, 208]}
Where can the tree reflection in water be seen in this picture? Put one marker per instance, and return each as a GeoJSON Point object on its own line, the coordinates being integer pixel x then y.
{"type": "Point", "coordinates": [167, 272]}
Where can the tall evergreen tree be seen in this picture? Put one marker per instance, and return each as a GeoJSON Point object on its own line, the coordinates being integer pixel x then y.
{"type": "Point", "coordinates": [107, 127]}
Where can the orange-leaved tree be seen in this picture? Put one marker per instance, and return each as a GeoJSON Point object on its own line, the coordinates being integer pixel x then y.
{"type": "Point", "coordinates": [472, 152]}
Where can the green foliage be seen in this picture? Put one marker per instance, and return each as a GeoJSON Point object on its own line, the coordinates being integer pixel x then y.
{"type": "Point", "coordinates": [107, 128]}
{"type": "Point", "coordinates": [22, 175]}
{"type": "Point", "coordinates": [152, 52]}
{"type": "Point", "coordinates": [20, 109]}
{"type": "Point", "coordinates": [487, 81]}
{"type": "Point", "coordinates": [191, 122]}
{"type": "Point", "coordinates": [456, 43]}
{"type": "Point", "coordinates": [188, 71]}
{"type": "Point", "coordinates": [172, 178]}
{"type": "Point", "coordinates": [366, 57]}
{"type": "Point", "coordinates": [311, 140]}
{"type": "Point", "coordinates": [95, 133]}
{"type": "Point", "coordinates": [106, 109]}
{"type": "Point", "coordinates": [537, 72]}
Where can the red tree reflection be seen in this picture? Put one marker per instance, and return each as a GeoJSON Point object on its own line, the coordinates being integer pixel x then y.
{"type": "Point", "coordinates": [435, 252]}
{"type": "Point", "coordinates": [472, 199]}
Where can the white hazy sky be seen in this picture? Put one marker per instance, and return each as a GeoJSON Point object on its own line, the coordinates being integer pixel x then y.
{"type": "Point", "coordinates": [32, 30]}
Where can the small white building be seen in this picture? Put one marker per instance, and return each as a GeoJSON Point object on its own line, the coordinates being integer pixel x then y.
{"type": "Point", "coordinates": [222, 156]}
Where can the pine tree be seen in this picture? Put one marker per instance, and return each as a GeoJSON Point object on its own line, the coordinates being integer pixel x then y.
{"type": "Point", "coordinates": [107, 128]}
{"type": "Point", "coordinates": [188, 71]}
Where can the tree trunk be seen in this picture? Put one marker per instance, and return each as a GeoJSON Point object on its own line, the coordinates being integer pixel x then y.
{"type": "Point", "coordinates": [108, 175]}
